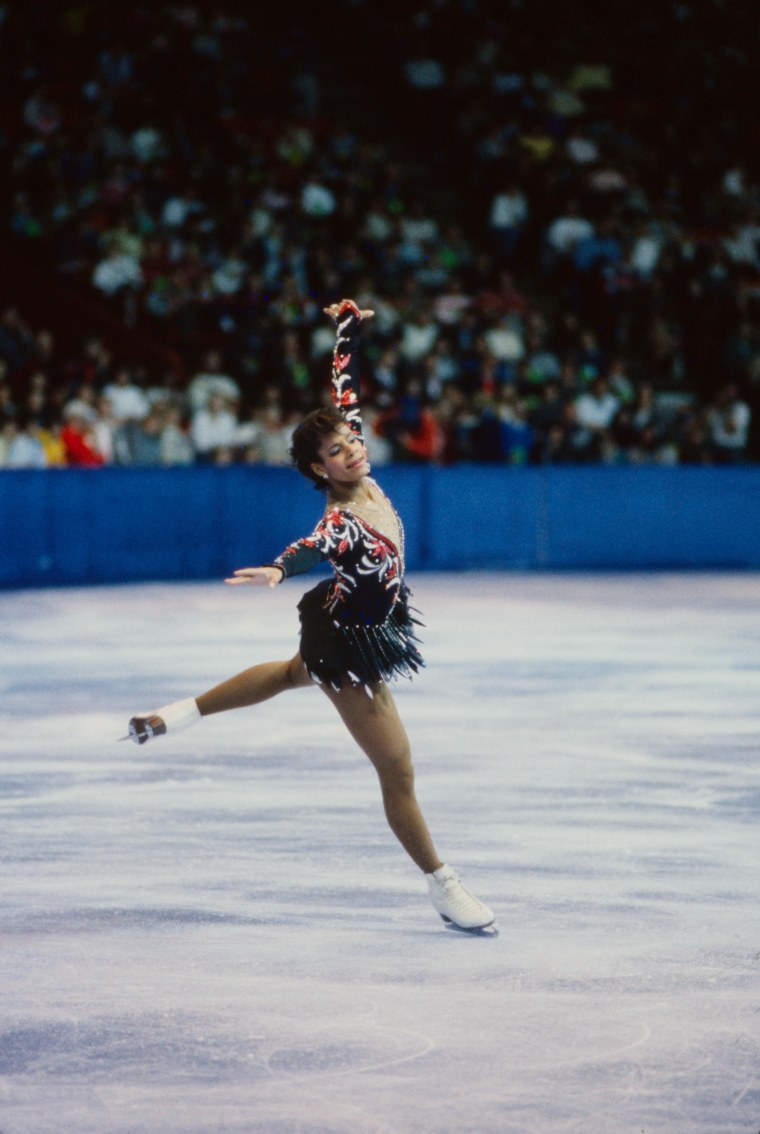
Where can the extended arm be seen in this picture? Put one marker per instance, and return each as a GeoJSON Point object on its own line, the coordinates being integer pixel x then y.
{"type": "Point", "coordinates": [298, 557]}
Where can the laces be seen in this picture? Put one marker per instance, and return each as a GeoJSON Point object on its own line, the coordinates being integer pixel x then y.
{"type": "Point", "coordinates": [456, 892]}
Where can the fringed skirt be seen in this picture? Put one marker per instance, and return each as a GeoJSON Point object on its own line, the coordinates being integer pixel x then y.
{"type": "Point", "coordinates": [335, 653]}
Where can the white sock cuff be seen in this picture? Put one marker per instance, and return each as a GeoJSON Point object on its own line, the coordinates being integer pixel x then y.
{"type": "Point", "coordinates": [442, 872]}
{"type": "Point", "coordinates": [179, 715]}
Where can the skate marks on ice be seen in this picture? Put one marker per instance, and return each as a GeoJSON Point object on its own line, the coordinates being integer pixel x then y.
{"type": "Point", "coordinates": [217, 933]}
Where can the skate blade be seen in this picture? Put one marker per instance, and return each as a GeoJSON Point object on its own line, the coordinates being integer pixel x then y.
{"type": "Point", "coordinates": [489, 930]}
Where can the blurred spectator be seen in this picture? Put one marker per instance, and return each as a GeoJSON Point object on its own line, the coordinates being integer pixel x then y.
{"type": "Point", "coordinates": [379, 449]}
{"type": "Point", "coordinates": [213, 428]}
{"type": "Point", "coordinates": [421, 439]}
{"type": "Point", "coordinates": [547, 413]}
{"type": "Point", "coordinates": [504, 339]}
{"type": "Point", "coordinates": [127, 400]}
{"type": "Point", "coordinates": [452, 301]}
{"type": "Point", "coordinates": [176, 448]}
{"type": "Point", "coordinates": [509, 212]}
{"type": "Point", "coordinates": [595, 411]}
{"type": "Point", "coordinates": [597, 250]}
{"type": "Point", "coordinates": [20, 448]}
{"type": "Point", "coordinates": [146, 440]}
{"type": "Point", "coordinates": [104, 430]}
{"type": "Point", "coordinates": [78, 437]}
{"type": "Point", "coordinates": [274, 438]}
{"type": "Point", "coordinates": [211, 380]}
{"type": "Point", "coordinates": [181, 208]}
{"type": "Point", "coordinates": [117, 270]}
{"type": "Point", "coordinates": [517, 436]}
{"type": "Point", "coordinates": [694, 444]}
{"type": "Point", "coordinates": [317, 200]}
{"type": "Point", "coordinates": [418, 336]}
{"type": "Point", "coordinates": [217, 231]}
{"type": "Point", "coordinates": [565, 232]}
{"type": "Point", "coordinates": [729, 421]}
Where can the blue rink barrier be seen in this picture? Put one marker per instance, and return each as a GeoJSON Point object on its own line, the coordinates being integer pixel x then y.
{"type": "Point", "coordinates": [81, 526]}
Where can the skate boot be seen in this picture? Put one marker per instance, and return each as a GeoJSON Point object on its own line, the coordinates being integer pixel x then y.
{"type": "Point", "coordinates": [457, 906]}
{"type": "Point", "coordinates": [172, 718]}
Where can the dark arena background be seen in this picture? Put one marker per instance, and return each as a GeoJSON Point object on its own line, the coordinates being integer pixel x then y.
{"type": "Point", "coordinates": [554, 211]}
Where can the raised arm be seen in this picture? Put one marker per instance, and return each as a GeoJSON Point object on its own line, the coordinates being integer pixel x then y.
{"type": "Point", "coordinates": [345, 361]}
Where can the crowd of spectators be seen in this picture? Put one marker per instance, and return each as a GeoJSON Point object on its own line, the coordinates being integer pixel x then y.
{"type": "Point", "coordinates": [559, 234]}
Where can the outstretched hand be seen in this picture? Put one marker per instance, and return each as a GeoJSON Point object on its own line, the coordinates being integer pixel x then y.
{"type": "Point", "coordinates": [334, 309]}
{"type": "Point", "coordinates": [257, 576]}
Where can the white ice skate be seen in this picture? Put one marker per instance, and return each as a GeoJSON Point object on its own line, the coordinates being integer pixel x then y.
{"type": "Point", "coordinates": [172, 718]}
{"type": "Point", "coordinates": [457, 906]}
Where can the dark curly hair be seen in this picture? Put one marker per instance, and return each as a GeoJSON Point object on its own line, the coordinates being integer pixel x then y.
{"type": "Point", "coordinates": [307, 440]}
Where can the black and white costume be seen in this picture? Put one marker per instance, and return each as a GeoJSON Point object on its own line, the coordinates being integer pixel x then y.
{"type": "Point", "coordinates": [357, 626]}
{"type": "Point", "coordinates": [356, 630]}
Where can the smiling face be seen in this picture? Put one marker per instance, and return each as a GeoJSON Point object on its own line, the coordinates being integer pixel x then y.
{"type": "Point", "coordinates": [342, 457]}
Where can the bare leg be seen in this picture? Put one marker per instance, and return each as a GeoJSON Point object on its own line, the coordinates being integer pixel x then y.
{"type": "Point", "coordinates": [254, 685]}
{"type": "Point", "coordinates": [375, 725]}
{"type": "Point", "coordinates": [248, 688]}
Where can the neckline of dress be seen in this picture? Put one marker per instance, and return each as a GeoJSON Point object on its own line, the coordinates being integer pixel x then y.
{"type": "Point", "coordinates": [370, 527]}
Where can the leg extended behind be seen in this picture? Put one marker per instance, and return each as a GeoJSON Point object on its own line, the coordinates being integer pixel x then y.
{"type": "Point", "coordinates": [251, 687]}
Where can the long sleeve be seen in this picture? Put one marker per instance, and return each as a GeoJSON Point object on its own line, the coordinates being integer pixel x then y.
{"type": "Point", "coordinates": [345, 366]}
{"type": "Point", "coordinates": [302, 555]}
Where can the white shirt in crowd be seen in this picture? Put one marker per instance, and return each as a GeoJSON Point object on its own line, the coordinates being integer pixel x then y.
{"type": "Point", "coordinates": [508, 210]}
{"type": "Point", "coordinates": [147, 144]}
{"type": "Point", "coordinates": [565, 232]}
{"type": "Point", "coordinates": [418, 339]}
{"type": "Point", "coordinates": [206, 385]}
{"type": "Point", "coordinates": [505, 343]}
{"type": "Point", "coordinates": [179, 209]}
{"type": "Point", "coordinates": [581, 149]}
{"type": "Point", "coordinates": [596, 411]}
{"type": "Point", "coordinates": [645, 254]}
{"type": "Point", "coordinates": [419, 229]}
{"type": "Point", "coordinates": [213, 428]}
{"type": "Point", "coordinates": [23, 452]}
{"type": "Point", "coordinates": [273, 442]}
{"type": "Point", "coordinates": [729, 426]}
{"type": "Point", "coordinates": [116, 271]}
{"type": "Point", "coordinates": [317, 200]}
{"type": "Point", "coordinates": [128, 403]}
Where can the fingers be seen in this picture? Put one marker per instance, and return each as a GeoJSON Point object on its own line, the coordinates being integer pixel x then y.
{"type": "Point", "coordinates": [257, 576]}
{"type": "Point", "coordinates": [334, 310]}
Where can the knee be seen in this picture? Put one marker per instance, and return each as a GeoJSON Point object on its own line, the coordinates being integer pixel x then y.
{"type": "Point", "coordinates": [295, 673]}
{"type": "Point", "coordinates": [397, 775]}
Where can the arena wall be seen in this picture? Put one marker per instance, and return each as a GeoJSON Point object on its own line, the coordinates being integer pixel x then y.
{"type": "Point", "coordinates": [125, 524]}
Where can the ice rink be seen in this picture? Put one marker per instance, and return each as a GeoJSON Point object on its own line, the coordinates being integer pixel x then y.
{"type": "Point", "coordinates": [217, 933]}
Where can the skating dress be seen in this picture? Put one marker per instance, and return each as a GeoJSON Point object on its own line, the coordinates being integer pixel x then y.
{"type": "Point", "coordinates": [357, 627]}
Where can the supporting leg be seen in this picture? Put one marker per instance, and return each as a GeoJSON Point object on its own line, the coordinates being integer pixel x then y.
{"type": "Point", "coordinates": [375, 725]}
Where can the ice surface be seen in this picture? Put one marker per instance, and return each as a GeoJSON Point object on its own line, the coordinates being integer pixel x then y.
{"type": "Point", "coordinates": [216, 932]}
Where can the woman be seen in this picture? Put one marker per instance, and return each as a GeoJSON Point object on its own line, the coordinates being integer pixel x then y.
{"type": "Point", "coordinates": [356, 629]}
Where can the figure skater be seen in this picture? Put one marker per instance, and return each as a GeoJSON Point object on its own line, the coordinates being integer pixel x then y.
{"type": "Point", "coordinates": [357, 631]}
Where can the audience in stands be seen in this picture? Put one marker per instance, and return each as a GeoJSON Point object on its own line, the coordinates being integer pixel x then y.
{"type": "Point", "coordinates": [562, 269]}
